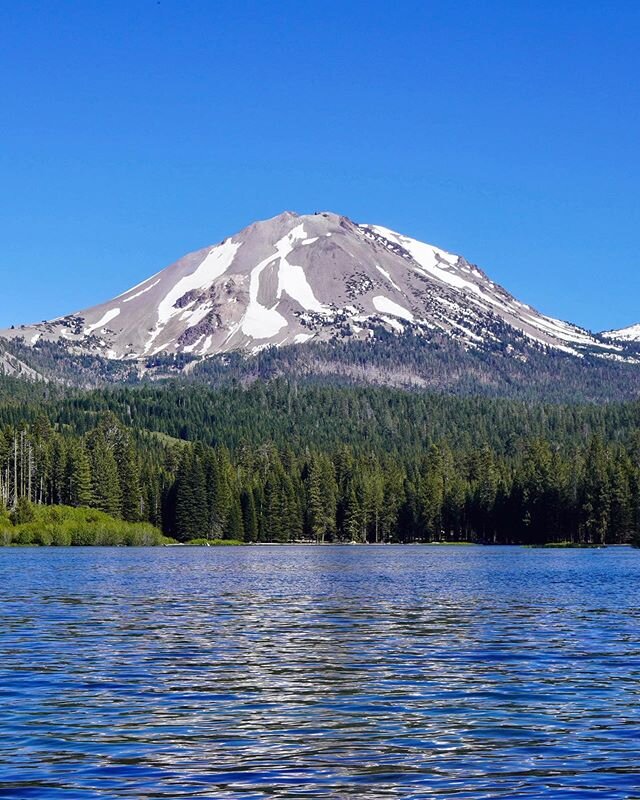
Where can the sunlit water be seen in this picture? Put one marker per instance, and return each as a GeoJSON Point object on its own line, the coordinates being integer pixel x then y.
{"type": "Point", "coordinates": [319, 672]}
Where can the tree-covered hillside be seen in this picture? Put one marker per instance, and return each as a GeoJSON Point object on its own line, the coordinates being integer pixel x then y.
{"type": "Point", "coordinates": [383, 420]}
{"type": "Point", "coordinates": [286, 462]}
{"type": "Point", "coordinates": [511, 367]}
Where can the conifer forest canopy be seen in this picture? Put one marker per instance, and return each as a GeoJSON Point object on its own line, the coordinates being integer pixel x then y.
{"type": "Point", "coordinates": [284, 462]}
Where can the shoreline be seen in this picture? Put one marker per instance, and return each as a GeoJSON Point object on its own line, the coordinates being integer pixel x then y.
{"type": "Point", "coordinates": [234, 545]}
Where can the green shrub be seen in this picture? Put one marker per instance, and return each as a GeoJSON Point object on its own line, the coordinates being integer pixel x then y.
{"type": "Point", "coordinates": [62, 526]}
{"type": "Point", "coordinates": [61, 537]}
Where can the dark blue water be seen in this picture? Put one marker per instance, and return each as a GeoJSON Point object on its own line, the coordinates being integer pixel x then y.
{"type": "Point", "coordinates": [335, 672]}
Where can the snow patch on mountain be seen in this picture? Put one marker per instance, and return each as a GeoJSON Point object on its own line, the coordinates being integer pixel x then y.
{"type": "Point", "coordinates": [141, 292]}
{"type": "Point", "coordinates": [393, 323]}
{"type": "Point", "coordinates": [431, 259]}
{"type": "Point", "coordinates": [260, 322]}
{"type": "Point", "coordinates": [292, 278]}
{"type": "Point", "coordinates": [384, 272]}
{"type": "Point", "coordinates": [108, 316]}
{"type": "Point", "coordinates": [215, 264]}
{"type": "Point", "coordinates": [387, 306]}
{"type": "Point", "coordinates": [293, 281]}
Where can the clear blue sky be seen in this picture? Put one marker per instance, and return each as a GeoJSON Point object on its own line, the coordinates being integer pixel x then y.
{"type": "Point", "coordinates": [133, 132]}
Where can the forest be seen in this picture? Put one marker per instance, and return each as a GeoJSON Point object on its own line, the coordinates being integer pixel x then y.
{"type": "Point", "coordinates": [284, 462]}
{"type": "Point", "coordinates": [512, 366]}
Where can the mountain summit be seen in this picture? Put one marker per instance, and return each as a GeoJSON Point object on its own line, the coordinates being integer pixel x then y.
{"type": "Point", "coordinates": [292, 279]}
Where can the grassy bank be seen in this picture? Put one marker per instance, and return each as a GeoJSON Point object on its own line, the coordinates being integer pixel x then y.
{"type": "Point", "coordinates": [66, 526]}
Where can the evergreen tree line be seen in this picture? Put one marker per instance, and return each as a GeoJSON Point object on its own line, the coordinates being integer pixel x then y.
{"type": "Point", "coordinates": [324, 417]}
{"type": "Point", "coordinates": [532, 492]}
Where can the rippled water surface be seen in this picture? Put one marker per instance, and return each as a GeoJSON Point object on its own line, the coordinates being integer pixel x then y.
{"type": "Point", "coordinates": [335, 672]}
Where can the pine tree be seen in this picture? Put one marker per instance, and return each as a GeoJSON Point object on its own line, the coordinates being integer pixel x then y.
{"type": "Point", "coordinates": [218, 476]}
{"type": "Point", "coordinates": [249, 517]}
{"type": "Point", "coordinates": [129, 476]}
{"type": "Point", "coordinates": [235, 527]}
{"type": "Point", "coordinates": [621, 509]}
{"type": "Point", "coordinates": [105, 484]}
{"type": "Point", "coordinates": [352, 516]}
{"type": "Point", "coordinates": [432, 494]}
{"type": "Point", "coordinates": [291, 508]}
{"type": "Point", "coordinates": [58, 485]}
{"type": "Point", "coordinates": [273, 529]}
{"type": "Point", "coordinates": [79, 476]}
{"type": "Point", "coordinates": [190, 499]}
{"type": "Point", "coordinates": [596, 494]}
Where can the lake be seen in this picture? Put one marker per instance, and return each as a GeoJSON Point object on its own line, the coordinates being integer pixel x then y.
{"type": "Point", "coordinates": [256, 672]}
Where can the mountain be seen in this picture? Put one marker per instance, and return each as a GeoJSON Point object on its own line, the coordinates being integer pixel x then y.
{"type": "Point", "coordinates": [297, 279]}
{"type": "Point", "coordinates": [630, 334]}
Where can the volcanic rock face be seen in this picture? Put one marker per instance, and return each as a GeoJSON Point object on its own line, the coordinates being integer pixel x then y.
{"type": "Point", "coordinates": [292, 279]}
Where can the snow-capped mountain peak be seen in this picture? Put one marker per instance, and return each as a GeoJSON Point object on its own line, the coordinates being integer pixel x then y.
{"type": "Point", "coordinates": [293, 279]}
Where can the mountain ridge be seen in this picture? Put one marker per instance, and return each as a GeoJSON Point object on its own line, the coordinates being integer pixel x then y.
{"type": "Point", "coordinates": [629, 334]}
{"type": "Point", "coordinates": [299, 278]}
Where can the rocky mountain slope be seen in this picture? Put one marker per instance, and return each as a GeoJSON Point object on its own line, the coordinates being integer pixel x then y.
{"type": "Point", "coordinates": [295, 279]}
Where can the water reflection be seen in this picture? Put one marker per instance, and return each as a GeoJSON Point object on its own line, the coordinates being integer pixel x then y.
{"type": "Point", "coordinates": [319, 672]}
